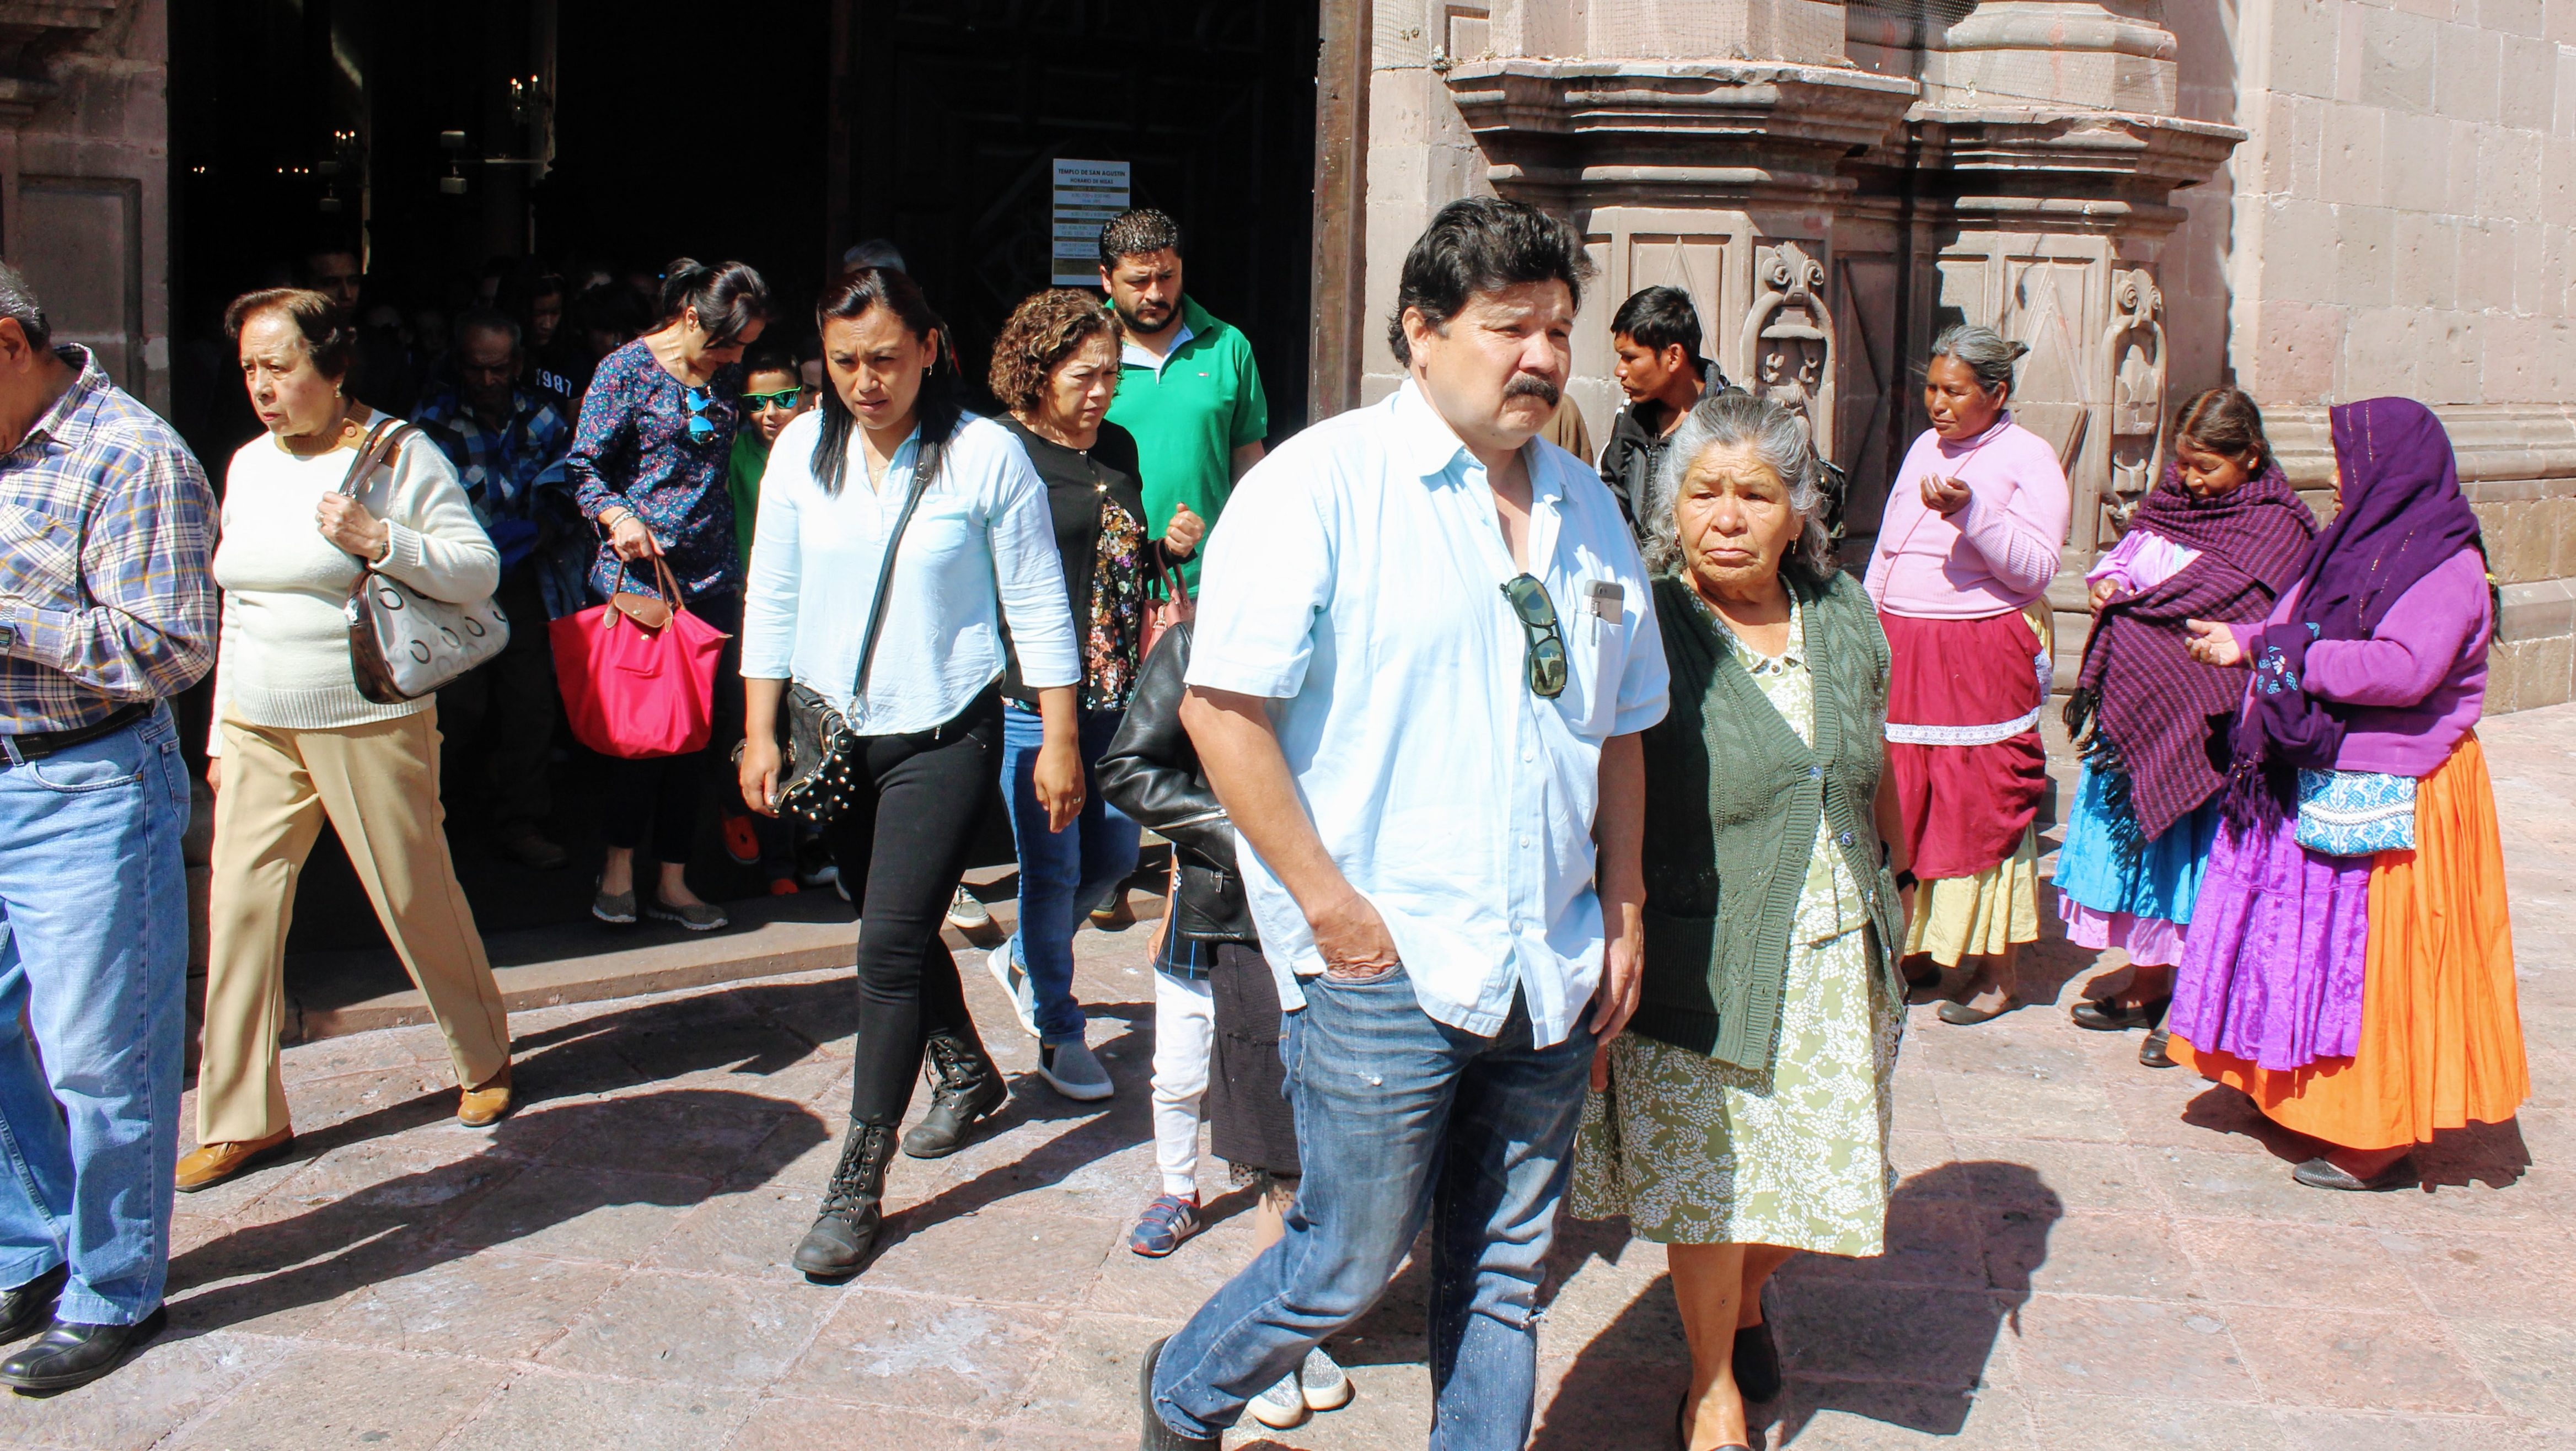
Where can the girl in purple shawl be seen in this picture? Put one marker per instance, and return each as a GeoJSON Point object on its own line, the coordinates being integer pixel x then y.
{"type": "Point", "coordinates": [2220, 537]}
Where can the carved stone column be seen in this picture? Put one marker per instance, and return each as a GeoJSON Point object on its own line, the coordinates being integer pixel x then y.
{"type": "Point", "coordinates": [1721, 177]}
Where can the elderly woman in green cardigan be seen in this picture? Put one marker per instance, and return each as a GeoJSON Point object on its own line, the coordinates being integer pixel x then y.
{"type": "Point", "coordinates": [1744, 1115]}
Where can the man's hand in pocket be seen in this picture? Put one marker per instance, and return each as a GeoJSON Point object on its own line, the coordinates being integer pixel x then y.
{"type": "Point", "coordinates": [1353, 939]}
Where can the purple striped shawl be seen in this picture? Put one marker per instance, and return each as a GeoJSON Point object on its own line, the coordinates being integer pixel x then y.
{"type": "Point", "coordinates": [2164, 714]}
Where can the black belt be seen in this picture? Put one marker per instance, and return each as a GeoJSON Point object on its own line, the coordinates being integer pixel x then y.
{"type": "Point", "coordinates": [36, 745]}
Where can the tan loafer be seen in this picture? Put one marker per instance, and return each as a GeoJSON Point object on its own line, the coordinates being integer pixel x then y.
{"type": "Point", "coordinates": [480, 1108]}
{"type": "Point", "coordinates": [208, 1165]}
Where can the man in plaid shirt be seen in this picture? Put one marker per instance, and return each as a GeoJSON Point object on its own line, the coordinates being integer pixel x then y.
{"type": "Point", "coordinates": [508, 445]}
{"type": "Point", "coordinates": [107, 608]}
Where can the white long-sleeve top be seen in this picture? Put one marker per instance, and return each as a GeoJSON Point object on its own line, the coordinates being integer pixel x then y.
{"type": "Point", "coordinates": [284, 657]}
{"type": "Point", "coordinates": [980, 551]}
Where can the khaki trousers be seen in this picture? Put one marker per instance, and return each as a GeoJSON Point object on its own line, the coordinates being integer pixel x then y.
{"type": "Point", "coordinates": [378, 785]}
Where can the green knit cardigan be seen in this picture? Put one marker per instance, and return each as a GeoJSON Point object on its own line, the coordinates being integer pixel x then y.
{"type": "Point", "coordinates": [1732, 797]}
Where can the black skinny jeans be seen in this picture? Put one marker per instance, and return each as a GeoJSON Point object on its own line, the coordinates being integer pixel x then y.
{"type": "Point", "coordinates": [907, 840]}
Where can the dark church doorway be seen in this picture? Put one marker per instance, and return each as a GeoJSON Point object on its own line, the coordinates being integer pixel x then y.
{"type": "Point", "coordinates": [958, 109]}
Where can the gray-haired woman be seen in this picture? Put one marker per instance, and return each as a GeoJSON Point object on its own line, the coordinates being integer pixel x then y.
{"type": "Point", "coordinates": [1744, 1115]}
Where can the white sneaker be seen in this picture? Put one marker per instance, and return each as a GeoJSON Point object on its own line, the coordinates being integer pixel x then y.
{"type": "Point", "coordinates": [1281, 1406]}
{"type": "Point", "coordinates": [1014, 979]}
{"type": "Point", "coordinates": [966, 911]}
{"type": "Point", "coordinates": [1321, 1380]}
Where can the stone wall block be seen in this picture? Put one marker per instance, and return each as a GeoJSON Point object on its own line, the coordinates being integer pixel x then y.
{"type": "Point", "coordinates": [2397, 60]}
{"type": "Point", "coordinates": [2306, 39]}
{"type": "Point", "coordinates": [2363, 265]}
{"type": "Point", "coordinates": [2457, 356]}
{"type": "Point", "coordinates": [2529, 84]}
{"type": "Point", "coordinates": [2299, 241]}
{"type": "Point", "coordinates": [2561, 520]}
{"type": "Point", "coordinates": [2463, 196]}
{"type": "Point", "coordinates": [2558, 183]}
{"type": "Point", "coordinates": [2295, 349]}
{"type": "Point", "coordinates": [2425, 261]}
{"type": "Point", "coordinates": [2355, 154]}
{"type": "Point", "coordinates": [1402, 34]}
{"type": "Point", "coordinates": [2468, 66]}
{"type": "Point", "coordinates": [2418, 171]}
{"type": "Point", "coordinates": [2558, 21]}
{"type": "Point", "coordinates": [2508, 173]}
{"type": "Point", "coordinates": [2383, 353]}
{"type": "Point", "coordinates": [2486, 265]}
{"type": "Point", "coordinates": [2546, 679]}
{"type": "Point", "coordinates": [2565, 107]}
{"type": "Point", "coordinates": [2514, 17]}
{"type": "Point", "coordinates": [2540, 271]}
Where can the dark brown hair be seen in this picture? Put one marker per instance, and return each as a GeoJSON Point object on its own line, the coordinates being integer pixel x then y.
{"type": "Point", "coordinates": [328, 338]}
{"type": "Point", "coordinates": [941, 402]}
{"type": "Point", "coordinates": [729, 297]}
{"type": "Point", "coordinates": [1044, 330]}
{"type": "Point", "coordinates": [2226, 422]}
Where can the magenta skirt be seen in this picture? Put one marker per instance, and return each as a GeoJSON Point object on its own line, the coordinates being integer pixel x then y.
{"type": "Point", "coordinates": [2271, 970]}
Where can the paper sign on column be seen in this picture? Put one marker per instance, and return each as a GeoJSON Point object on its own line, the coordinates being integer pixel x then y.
{"type": "Point", "coordinates": [1088, 194]}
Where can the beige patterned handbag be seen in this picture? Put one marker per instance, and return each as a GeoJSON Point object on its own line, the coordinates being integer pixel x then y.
{"type": "Point", "coordinates": [403, 644]}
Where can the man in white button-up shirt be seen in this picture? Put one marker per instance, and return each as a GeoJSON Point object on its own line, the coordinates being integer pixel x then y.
{"type": "Point", "coordinates": [1424, 650]}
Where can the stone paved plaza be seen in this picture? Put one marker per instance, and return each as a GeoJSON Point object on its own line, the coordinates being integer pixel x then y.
{"type": "Point", "coordinates": [2083, 1253]}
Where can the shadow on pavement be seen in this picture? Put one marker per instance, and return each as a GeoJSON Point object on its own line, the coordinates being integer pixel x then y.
{"type": "Point", "coordinates": [507, 1192]}
{"type": "Point", "coordinates": [1902, 1338]}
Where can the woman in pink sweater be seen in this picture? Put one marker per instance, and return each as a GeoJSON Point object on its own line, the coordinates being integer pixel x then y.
{"type": "Point", "coordinates": [1969, 542]}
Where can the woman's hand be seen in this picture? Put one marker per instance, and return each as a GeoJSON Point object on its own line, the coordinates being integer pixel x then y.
{"type": "Point", "coordinates": [214, 773]}
{"type": "Point", "coordinates": [632, 540]}
{"type": "Point", "coordinates": [1058, 777]}
{"type": "Point", "coordinates": [347, 524]}
{"type": "Point", "coordinates": [1944, 497]}
{"type": "Point", "coordinates": [756, 769]}
{"type": "Point", "coordinates": [2213, 643]}
{"type": "Point", "coordinates": [1182, 537]}
{"type": "Point", "coordinates": [2103, 591]}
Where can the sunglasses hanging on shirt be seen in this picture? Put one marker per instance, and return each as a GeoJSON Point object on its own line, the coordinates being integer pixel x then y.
{"type": "Point", "coordinates": [701, 427]}
{"type": "Point", "coordinates": [1537, 614]}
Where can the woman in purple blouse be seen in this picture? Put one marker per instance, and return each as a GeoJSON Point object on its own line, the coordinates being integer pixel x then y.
{"type": "Point", "coordinates": [2350, 961]}
{"type": "Point", "coordinates": [649, 465]}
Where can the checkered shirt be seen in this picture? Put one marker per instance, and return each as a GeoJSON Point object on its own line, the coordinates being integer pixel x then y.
{"type": "Point", "coordinates": [107, 591]}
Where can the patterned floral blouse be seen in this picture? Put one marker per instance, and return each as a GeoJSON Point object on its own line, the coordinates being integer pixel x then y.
{"type": "Point", "coordinates": [634, 449]}
{"type": "Point", "coordinates": [1109, 563]}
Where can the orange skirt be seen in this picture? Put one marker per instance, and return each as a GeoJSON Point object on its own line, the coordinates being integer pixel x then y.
{"type": "Point", "coordinates": [2441, 1036]}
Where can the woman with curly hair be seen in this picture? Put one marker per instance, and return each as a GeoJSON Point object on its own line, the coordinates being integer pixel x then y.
{"type": "Point", "coordinates": [1055, 367]}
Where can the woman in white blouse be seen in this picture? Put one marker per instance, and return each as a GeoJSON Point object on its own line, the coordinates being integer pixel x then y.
{"type": "Point", "coordinates": [295, 743]}
{"type": "Point", "coordinates": [978, 555]}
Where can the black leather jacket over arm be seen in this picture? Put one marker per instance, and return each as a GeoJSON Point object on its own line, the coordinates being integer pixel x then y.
{"type": "Point", "coordinates": [1152, 774]}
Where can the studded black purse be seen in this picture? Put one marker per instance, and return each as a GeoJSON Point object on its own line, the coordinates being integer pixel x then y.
{"type": "Point", "coordinates": [819, 780]}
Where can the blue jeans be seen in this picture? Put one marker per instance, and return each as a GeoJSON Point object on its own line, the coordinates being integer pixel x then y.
{"type": "Point", "coordinates": [93, 957]}
{"type": "Point", "coordinates": [1400, 1118]}
{"type": "Point", "coordinates": [1062, 873]}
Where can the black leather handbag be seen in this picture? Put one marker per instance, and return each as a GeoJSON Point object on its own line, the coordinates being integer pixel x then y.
{"type": "Point", "coordinates": [822, 773]}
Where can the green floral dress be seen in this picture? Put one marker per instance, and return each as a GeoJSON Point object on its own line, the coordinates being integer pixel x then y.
{"type": "Point", "coordinates": [1695, 1151]}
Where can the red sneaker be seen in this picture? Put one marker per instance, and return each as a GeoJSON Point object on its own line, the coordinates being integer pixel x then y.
{"type": "Point", "coordinates": [740, 841]}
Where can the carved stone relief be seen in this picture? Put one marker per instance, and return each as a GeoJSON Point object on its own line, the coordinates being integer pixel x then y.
{"type": "Point", "coordinates": [1789, 340]}
{"type": "Point", "coordinates": [2133, 360]}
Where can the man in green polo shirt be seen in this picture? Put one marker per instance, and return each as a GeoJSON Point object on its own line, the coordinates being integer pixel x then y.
{"type": "Point", "coordinates": [1187, 386]}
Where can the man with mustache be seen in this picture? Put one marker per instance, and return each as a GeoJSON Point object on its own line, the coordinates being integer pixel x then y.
{"type": "Point", "coordinates": [1187, 386]}
{"type": "Point", "coordinates": [1421, 664]}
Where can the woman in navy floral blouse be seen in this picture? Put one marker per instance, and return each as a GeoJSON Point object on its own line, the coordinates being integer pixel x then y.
{"type": "Point", "coordinates": [648, 465]}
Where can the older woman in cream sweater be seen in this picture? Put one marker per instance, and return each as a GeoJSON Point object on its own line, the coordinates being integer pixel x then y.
{"type": "Point", "coordinates": [295, 743]}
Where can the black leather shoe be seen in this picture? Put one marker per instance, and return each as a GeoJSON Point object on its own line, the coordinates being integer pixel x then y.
{"type": "Point", "coordinates": [1757, 1362]}
{"type": "Point", "coordinates": [2152, 1052]}
{"type": "Point", "coordinates": [838, 1244]}
{"type": "Point", "coordinates": [1960, 1015]}
{"type": "Point", "coordinates": [2324, 1173]}
{"type": "Point", "coordinates": [1155, 1434]}
{"type": "Point", "coordinates": [966, 1086]}
{"type": "Point", "coordinates": [2110, 1017]}
{"type": "Point", "coordinates": [74, 1355]}
{"type": "Point", "coordinates": [31, 1304]}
